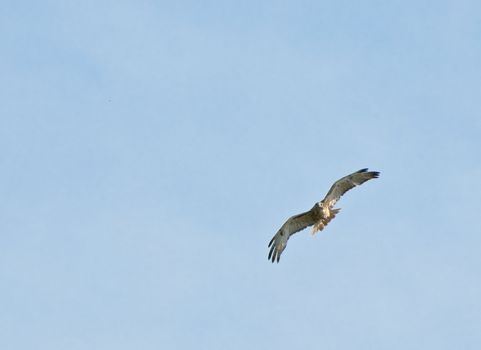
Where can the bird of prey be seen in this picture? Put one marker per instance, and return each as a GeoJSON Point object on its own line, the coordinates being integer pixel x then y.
{"type": "Point", "coordinates": [320, 214]}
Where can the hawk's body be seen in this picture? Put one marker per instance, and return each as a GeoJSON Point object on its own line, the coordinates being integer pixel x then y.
{"type": "Point", "coordinates": [320, 214]}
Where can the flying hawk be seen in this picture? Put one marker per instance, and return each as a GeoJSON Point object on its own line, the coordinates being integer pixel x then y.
{"type": "Point", "coordinates": [320, 214]}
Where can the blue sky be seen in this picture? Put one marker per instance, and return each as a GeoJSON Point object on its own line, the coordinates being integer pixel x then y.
{"type": "Point", "coordinates": [151, 149]}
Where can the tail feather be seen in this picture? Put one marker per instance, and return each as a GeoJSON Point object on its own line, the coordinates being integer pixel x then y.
{"type": "Point", "coordinates": [319, 226]}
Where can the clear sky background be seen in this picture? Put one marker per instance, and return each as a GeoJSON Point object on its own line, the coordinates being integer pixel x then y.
{"type": "Point", "coordinates": [150, 150]}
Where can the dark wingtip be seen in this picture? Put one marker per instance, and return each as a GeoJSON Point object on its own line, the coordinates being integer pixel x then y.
{"type": "Point", "coordinates": [272, 250]}
{"type": "Point", "coordinates": [373, 174]}
{"type": "Point", "coordinates": [273, 254]}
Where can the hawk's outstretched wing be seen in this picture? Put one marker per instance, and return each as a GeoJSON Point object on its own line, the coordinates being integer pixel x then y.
{"type": "Point", "coordinates": [346, 183]}
{"type": "Point", "coordinates": [294, 224]}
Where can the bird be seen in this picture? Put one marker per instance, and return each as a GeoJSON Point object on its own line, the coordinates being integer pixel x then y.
{"type": "Point", "coordinates": [321, 213]}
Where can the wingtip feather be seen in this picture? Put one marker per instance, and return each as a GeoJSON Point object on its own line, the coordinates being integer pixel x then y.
{"type": "Point", "coordinates": [374, 174]}
{"type": "Point", "coordinates": [270, 253]}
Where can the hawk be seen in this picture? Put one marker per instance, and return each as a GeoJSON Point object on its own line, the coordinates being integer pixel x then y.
{"type": "Point", "coordinates": [320, 214]}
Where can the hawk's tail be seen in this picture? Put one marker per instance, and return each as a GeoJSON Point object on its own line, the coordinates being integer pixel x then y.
{"type": "Point", "coordinates": [319, 226]}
